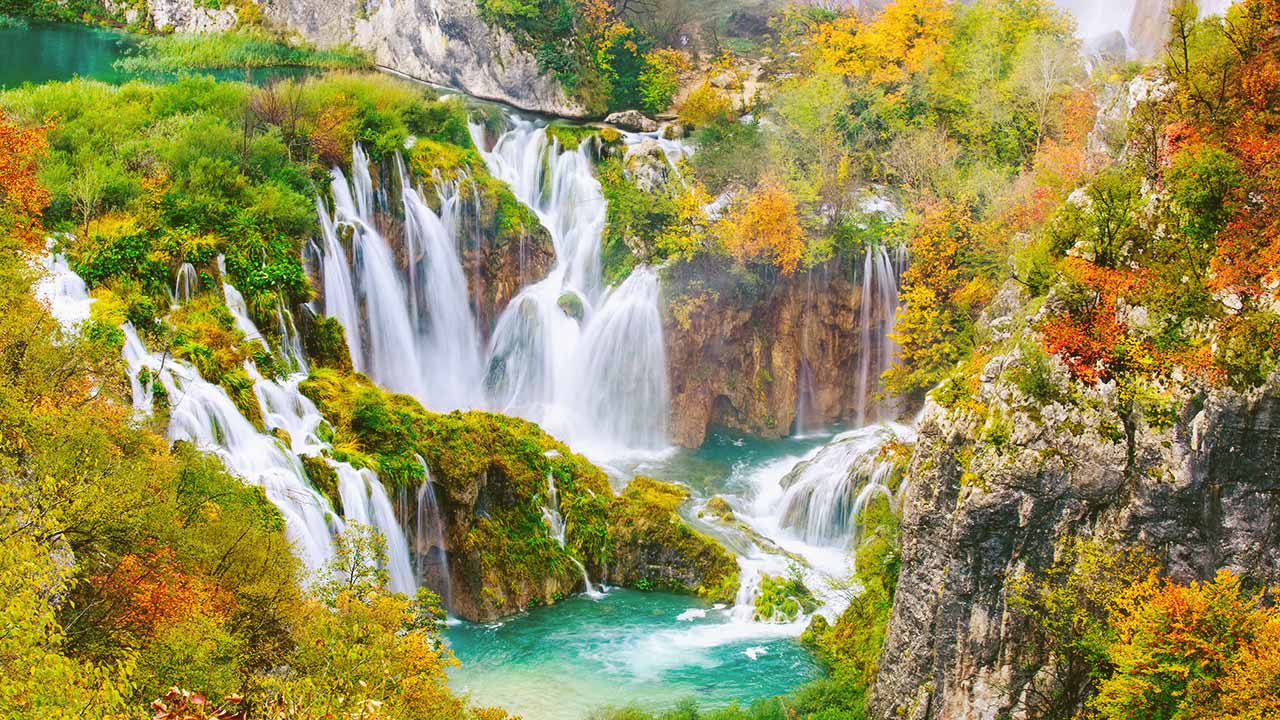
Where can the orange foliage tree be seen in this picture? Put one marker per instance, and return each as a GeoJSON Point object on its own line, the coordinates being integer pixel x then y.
{"type": "Point", "coordinates": [765, 227]}
{"type": "Point", "coordinates": [148, 593]}
{"type": "Point", "coordinates": [1192, 651]}
{"type": "Point", "coordinates": [22, 197]}
{"type": "Point", "coordinates": [936, 299]}
{"type": "Point", "coordinates": [1091, 338]}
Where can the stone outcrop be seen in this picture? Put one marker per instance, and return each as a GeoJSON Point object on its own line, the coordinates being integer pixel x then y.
{"type": "Point", "coordinates": [632, 120]}
{"type": "Point", "coordinates": [655, 548]}
{"type": "Point", "coordinates": [444, 42]}
{"type": "Point", "coordinates": [1000, 481]}
{"type": "Point", "coordinates": [742, 358]}
{"type": "Point", "coordinates": [176, 15]}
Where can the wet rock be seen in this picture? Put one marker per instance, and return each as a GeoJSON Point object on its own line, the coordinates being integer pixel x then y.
{"type": "Point", "coordinates": [656, 548]}
{"type": "Point", "coordinates": [1198, 490]}
{"type": "Point", "coordinates": [632, 120]}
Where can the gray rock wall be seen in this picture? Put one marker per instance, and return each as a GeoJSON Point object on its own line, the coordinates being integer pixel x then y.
{"type": "Point", "coordinates": [1201, 495]}
{"type": "Point", "coordinates": [444, 42]}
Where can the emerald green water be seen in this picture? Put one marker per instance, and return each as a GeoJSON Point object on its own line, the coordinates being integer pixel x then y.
{"type": "Point", "coordinates": [646, 649]}
{"type": "Point", "coordinates": [47, 52]}
{"type": "Point", "coordinates": [562, 662]}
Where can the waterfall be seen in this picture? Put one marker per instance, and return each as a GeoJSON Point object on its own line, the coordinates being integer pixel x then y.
{"type": "Point", "coordinates": [64, 292]}
{"type": "Point", "coordinates": [877, 308]}
{"type": "Point", "coordinates": [186, 284]}
{"type": "Point", "coordinates": [365, 501]}
{"type": "Point", "coordinates": [599, 382]}
{"type": "Point", "coordinates": [236, 304]}
{"type": "Point", "coordinates": [555, 525]}
{"type": "Point", "coordinates": [825, 494]}
{"type": "Point", "coordinates": [202, 413]}
{"type": "Point", "coordinates": [391, 352]}
{"type": "Point", "coordinates": [618, 352]}
{"type": "Point", "coordinates": [429, 533]}
{"type": "Point", "coordinates": [595, 378]}
{"type": "Point", "coordinates": [450, 341]}
{"type": "Point", "coordinates": [339, 288]}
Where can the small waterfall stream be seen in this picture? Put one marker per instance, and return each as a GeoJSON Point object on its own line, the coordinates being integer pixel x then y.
{"type": "Point", "coordinates": [555, 525]}
{"type": "Point", "coordinates": [877, 307]}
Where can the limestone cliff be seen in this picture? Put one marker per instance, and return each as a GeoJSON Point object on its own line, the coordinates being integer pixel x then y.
{"type": "Point", "coordinates": [1007, 469]}
{"type": "Point", "coordinates": [753, 357]}
{"type": "Point", "coordinates": [437, 41]}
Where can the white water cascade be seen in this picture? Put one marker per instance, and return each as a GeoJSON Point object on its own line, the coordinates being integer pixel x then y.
{"type": "Point", "coordinates": [555, 524]}
{"type": "Point", "coordinates": [600, 382]}
{"type": "Point", "coordinates": [596, 379]}
{"type": "Point", "coordinates": [826, 493]}
{"type": "Point", "coordinates": [203, 414]}
{"type": "Point", "coordinates": [429, 534]}
{"type": "Point", "coordinates": [877, 308]}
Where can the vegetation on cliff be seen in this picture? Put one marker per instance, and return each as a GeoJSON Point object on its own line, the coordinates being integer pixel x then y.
{"type": "Point", "coordinates": [129, 566]}
{"type": "Point", "coordinates": [1126, 643]}
{"type": "Point", "coordinates": [655, 549]}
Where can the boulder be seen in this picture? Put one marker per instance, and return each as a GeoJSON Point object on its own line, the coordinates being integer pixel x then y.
{"type": "Point", "coordinates": [632, 120]}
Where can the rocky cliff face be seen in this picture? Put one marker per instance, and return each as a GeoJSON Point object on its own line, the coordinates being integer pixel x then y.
{"type": "Point", "coordinates": [999, 481]}
{"type": "Point", "coordinates": [754, 360]}
{"type": "Point", "coordinates": [444, 42]}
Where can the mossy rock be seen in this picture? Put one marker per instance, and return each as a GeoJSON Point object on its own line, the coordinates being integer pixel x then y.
{"type": "Point", "coordinates": [491, 472]}
{"type": "Point", "coordinates": [783, 599]}
{"type": "Point", "coordinates": [654, 548]}
{"type": "Point", "coordinates": [324, 478]}
{"type": "Point", "coordinates": [571, 303]}
{"type": "Point", "coordinates": [718, 508]}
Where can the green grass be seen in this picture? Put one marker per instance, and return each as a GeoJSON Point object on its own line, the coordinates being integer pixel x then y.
{"type": "Point", "coordinates": [247, 48]}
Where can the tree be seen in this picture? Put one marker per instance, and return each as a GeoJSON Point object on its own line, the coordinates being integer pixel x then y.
{"type": "Point", "coordinates": [1172, 652]}
{"type": "Point", "coordinates": [766, 226]}
{"type": "Point", "coordinates": [930, 328]}
{"type": "Point", "coordinates": [1071, 606]}
{"type": "Point", "coordinates": [22, 197]}
{"type": "Point", "coordinates": [358, 567]}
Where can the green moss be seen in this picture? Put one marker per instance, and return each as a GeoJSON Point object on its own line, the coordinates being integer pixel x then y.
{"type": "Point", "coordinates": [571, 304]}
{"type": "Point", "coordinates": [502, 461]}
{"type": "Point", "coordinates": [783, 599]}
{"type": "Point", "coordinates": [657, 548]}
{"type": "Point", "coordinates": [570, 137]}
{"type": "Point", "coordinates": [325, 478]}
{"type": "Point", "coordinates": [635, 219]}
{"type": "Point", "coordinates": [325, 342]}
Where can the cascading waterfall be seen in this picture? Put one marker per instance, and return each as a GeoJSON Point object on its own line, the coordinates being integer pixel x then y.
{"type": "Point", "coordinates": [877, 307]}
{"type": "Point", "coordinates": [825, 494]}
{"type": "Point", "coordinates": [429, 533]}
{"type": "Point", "coordinates": [599, 382]}
{"type": "Point", "coordinates": [203, 414]}
{"type": "Point", "coordinates": [339, 287]}
{"type": "Point", "coordinates": [596, 379]}
{"type": "Point", "coordinates": [438, 300]}
{"type": "Point", "coordinates": [555, 525]}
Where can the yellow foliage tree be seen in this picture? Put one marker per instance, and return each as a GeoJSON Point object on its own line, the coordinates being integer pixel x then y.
{"type": "Point", "coordinates": [766, 226]}
{"type": "Point", "coordinates": [929, 322]}
{"type": "Point", "coordinates": [904, 40]}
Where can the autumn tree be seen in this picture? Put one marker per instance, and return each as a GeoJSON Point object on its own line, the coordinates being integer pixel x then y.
{"type": "Point", "coordinates": [22, 197]}
{"type": "Point", "coordinates": [934, 314]}
{"type": "Point", "coordinates": [765, 227]}
{"type": "Point", "coordinates": [1173, 651]}
{"type": "Point", "coordinates": [904, 40]}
